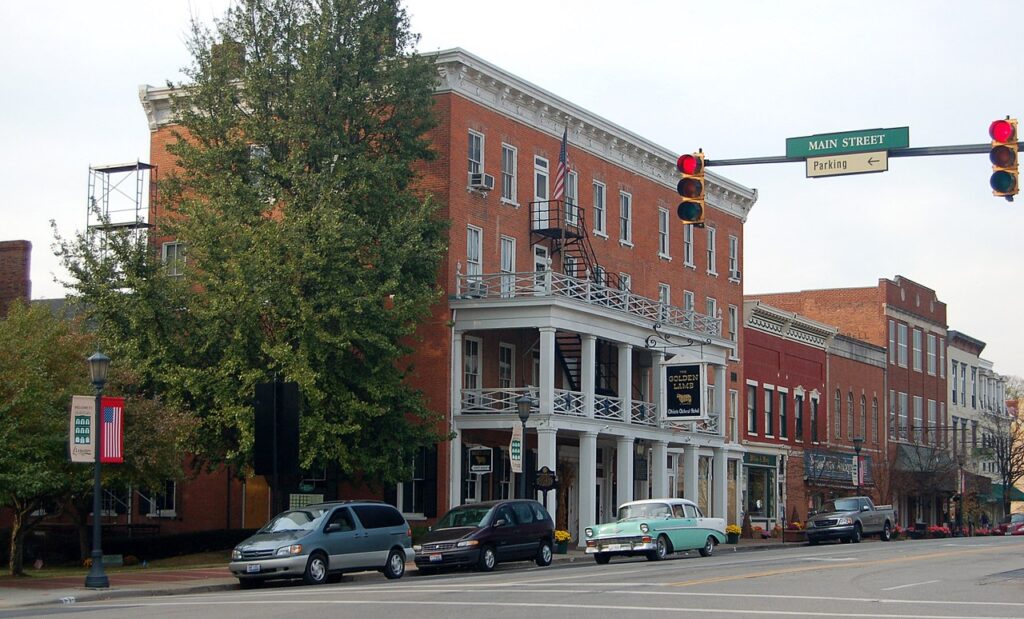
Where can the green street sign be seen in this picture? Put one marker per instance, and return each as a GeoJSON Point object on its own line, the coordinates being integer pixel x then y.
{"type": "Point", "coordinates": [848, 142]}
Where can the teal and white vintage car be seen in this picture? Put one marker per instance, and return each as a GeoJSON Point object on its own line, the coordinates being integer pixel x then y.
{"type": "Point", "coordinates": [655, 528]}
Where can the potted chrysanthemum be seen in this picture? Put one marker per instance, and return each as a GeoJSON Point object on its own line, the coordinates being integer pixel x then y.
{"type": "Point", "coordinates": [562, 539]}
{"type": "Point", "coordinates": [732, 534]}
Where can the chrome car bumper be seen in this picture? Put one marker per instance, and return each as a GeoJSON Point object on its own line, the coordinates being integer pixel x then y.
{"type": "Point", "coordinates": [620, 546]}
{"type": "Point", "coordinates": [283, 567]}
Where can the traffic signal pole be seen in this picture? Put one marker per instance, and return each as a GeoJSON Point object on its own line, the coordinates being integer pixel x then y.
{"type": "Point", "coordinates": [925, 151]}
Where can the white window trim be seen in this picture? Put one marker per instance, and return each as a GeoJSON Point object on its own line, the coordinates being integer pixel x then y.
{"type": "Point", "coordinates": [664, 249]}
{"type": "Point", "coordinates": [483, 149]}
{"type": "Point", "coordinates": [514, 200]}
{"type": "Point", "coordinates": [175, 268]}
{"type": "Point", "coordinates": [626, 236]}
{"type": "Point", "coordinates": [601, 231]}
{"type": "Point", "coordinates": [688, 248]}
{"type": "Point", "coordinates": [712, 251]}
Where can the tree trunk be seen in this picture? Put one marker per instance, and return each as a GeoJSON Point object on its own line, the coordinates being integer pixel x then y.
{"type": "Point", "coordinates": [17, 548]}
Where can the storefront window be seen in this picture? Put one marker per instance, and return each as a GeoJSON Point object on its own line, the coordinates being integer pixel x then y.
{"type": "Point", "coordinates": [760, 492]}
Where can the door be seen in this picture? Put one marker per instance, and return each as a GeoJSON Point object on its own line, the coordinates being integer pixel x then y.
{"type": "Point", "coordinates": [540, 214]}
{"type": "Point", "coordinates": [342, 539]}
{"type": "Point", "coordinates": [504, 536]}
{"type": "Point", "coordinates": [541, 263]}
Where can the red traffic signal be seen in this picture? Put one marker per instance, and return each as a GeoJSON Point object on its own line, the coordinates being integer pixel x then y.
{"type": "Point", "coordinates": [1003, 155]}
{"type": "Point", "coordinates": [691, 188]}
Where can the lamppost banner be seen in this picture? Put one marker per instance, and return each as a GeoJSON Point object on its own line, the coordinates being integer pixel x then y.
{"type": "Point", "coordinates": [112, 450]}
{"type": "Point", "coordinates": [82, 432]}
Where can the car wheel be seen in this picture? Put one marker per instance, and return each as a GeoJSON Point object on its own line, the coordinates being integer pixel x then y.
{"type": "Point", "coordinates": [316, 569]}
{"type": "Point", "coordinates": [709, 547]}
{"type": "Point", "coordinates": [660, 551]}
{"type": "Point", "coordinates": [487, 559]}
{"type": "Point", "coordinates": [544, 554]}
{"type": "Point", "coordinates": [602, 559]}
{"type": "Point", "coordinates": [886, 535]}
{"type": "Point", "coordinates": [395, 566]}
{"type": "Point", "coordinates": [856, 537]}
{"type": "Point", "coordinates": [248, 583]}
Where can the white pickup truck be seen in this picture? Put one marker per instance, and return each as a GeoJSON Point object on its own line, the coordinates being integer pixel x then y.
{"type": "Point", "coordinates": [849, 520]}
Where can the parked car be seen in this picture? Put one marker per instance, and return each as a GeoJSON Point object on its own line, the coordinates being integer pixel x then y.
{"type": "Point", "coordinates": [321, 541]}
{"type": "Point", "coordinates": [655, 528]}
{"type": "Point", "coordinates": [849, 519]}
{"type": "Point", "coordinates": [1011, 525]}
{"type": "Point", "coordinates": [482, 535]}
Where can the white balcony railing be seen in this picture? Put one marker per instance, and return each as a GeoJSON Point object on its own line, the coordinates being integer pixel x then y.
{"type": "Point", "coordinates": [552, 284]}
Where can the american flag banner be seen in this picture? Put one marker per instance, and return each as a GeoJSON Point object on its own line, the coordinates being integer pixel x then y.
{"type": "Point", "coordinates": [112, 413]}
{"type": "Point", "coordinates": [563, 169]}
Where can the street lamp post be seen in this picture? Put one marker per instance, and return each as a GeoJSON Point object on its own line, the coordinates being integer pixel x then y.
{"type": "Point", "coordinates": [523, 404]}
{"type": "Point", "coordinates": [857, 442]}
{"type": "Point", "coordinates": [960, 492]}
{"type": "Point", "coordinates": [96, 578]}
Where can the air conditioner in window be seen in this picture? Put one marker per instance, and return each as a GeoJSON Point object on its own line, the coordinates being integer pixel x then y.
{"type": "Point", "coordinates": [479, 180]}
{"type": "Point", "coordinates": [475, 289]}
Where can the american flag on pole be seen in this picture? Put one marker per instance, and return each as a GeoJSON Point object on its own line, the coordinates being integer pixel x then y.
{"type": "Point", "coordinates": [112, 413]}
{"type": "Point", "coordinates": [563, 169]}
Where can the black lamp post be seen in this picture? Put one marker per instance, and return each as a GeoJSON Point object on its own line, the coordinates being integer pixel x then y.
{"type": "Point", "coordinates": [960, 493]}
{"type": "Point", "coordinates": [96, 578]}
{"type": "Point", "coordinates": [857, 442]}
{"type": "Point", "coordinates": [523, 404]}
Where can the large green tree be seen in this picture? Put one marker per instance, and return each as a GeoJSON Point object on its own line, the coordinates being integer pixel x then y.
{"type": "Point", "coordinates": [309, 255]}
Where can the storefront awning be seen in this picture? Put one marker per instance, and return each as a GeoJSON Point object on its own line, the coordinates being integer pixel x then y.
{"type": "Point", "coordinates": [996, 493]}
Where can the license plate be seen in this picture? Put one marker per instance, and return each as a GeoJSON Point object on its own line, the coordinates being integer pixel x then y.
{"type": "Point", "coordinates": [253, 568]}
{"type": "Point", "coordinates": [617, 547]}
{"type": "Point", "coordinates": [435, 557]}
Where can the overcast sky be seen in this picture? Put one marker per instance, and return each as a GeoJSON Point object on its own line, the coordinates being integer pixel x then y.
{"type": "Point", "coordinates": [733, 78]}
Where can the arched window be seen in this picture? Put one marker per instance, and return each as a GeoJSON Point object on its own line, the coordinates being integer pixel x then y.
{"type": "Point", "coordinates": [839, 413]}
{"type": "Point", "coordinates": [863, 418]}
{"type": "Point", "coordinates": [874, 420]}
{"type": "Point", "coordinates": [849, 415]}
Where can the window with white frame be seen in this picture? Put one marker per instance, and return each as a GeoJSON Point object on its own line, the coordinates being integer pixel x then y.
{"type": "Point", "coordinates": [874, 420]}
{"type": "Point", "coordinates": [471, 369]}
{"type": "Point", "coordinates": [918, 417]}
{"type": "Point", "coordinates": [625, 217]}
{"type": "Point", "coordinates": [663, 244]}
{"type": "Point", "coordinates": [798, 416]}
{"type": "Point", "coordinates": [974, 387]}
{"type": "Point", "coordinates": [918, 344]}
{"type": "Point", "coordinates": [572, 202]}
{"type": "Point", "coordinates": [863, 428]}
{"type": "Point", "coordinates": [814, 418]}
{"type": "Point", "coordinates": [734, 257]}
{"type": "Point", "coordinates": [734, 325]}
{"type": "Point", "coordinates": [838, 414]}
{"type": "Point", "coordinates": [506, 365]}
{"type": "Point", "coordinates": [892, 342]}
{"type": "Point", "coordinates": [174, 258]}
{"type": "Point", "coordinates": [625, 281]}
{"type": "Point", "coordinates": [600, 215]}
{"type": "Point", "coordinates": [963, 384]}
{"type": "Point", "coordinates": [711, 308]}
{"type": "Point", "coordinates": [734, 403]}
{"type": "Point", "coordinates": [688, 246]}
{"type": "Point", "coordinates": [933, 428]}
{"type": "Point", "coordinates": [903, 406]}
{"type": "Point", "coordinates": [952, 383]}
{"type": "Point", "coordinates": [689, 300]}
{"type": "Point", "coordinates": [159, 502]}
{"type": "Point", "coordinates": [664, 294]}
{"type": "Point", "coordinates": [932, 342]}
{"type": "Point", "coordinates": [850, 415]}
{"type": "Point", "coordinates": [942, 357]}
{"type": "Point", "coordinates": [769, 411]}
{"type": "Point", "coordinates": [783, 413]}
{"type": "Point", "coordinates": [752, 408]}
{"type": "Point", "coordinates": [474, 251]}
{"type": "Point", "coordinates": [476, 152]}
{"type": "Point", "coordinates": [508, 266]}
{"type": "Point", "coordinates": [712, 268]}
{"type": "Point", "coordinates": [509, 190]}
{"type": "Point", "coordinates": [901, 330]}
{"type": "Point", "coordinates": [410, 493]}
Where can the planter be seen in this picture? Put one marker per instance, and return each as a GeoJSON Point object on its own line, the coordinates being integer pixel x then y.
{"type": "Point", "coordinates": [794, 536]}
{"type": "Point", "coordinates": [732, 538]}
{"type": "Point", "coordinates": [561, 548]}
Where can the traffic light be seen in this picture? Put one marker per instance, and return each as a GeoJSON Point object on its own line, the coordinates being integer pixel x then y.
{"type": "Point", "coordinates": [691, 188]}
{"type": "Point", "coordinates": [1004, 158]}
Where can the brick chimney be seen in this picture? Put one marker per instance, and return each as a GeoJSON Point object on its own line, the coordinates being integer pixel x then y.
{"type": "Point", "coordinates": [15, 258]}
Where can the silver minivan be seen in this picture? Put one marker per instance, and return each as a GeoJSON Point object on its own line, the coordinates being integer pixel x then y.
{"type": "Point", "coordinates": [320, 542]}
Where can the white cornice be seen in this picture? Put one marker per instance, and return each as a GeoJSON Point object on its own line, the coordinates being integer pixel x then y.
{"type": "Point", "coordinates": [471, 77]}
{"type": "Point", "coordinates": [787, 325]}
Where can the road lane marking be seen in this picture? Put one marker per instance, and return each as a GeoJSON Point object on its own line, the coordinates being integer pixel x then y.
{"type": "Point", "coordinates": [552, 605]}
{"type": "Point", "coordinates": [913, 584]}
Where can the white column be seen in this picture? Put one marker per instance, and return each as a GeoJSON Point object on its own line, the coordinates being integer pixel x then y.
{"type": "Point", "coordinates": [658, 387]}
{"type": "Point", "coordinates": [547, 371]}
{"type": "Point", "coordinates": [626, 381]}
{"type": "Point", "coordinates": [587, 484]}
{"type": "Point", "coordinates": [659, 462]}
{"type": "Point", "coordinates": [719, 474]}
{"type": "Point", "coordinates": [455, 455]}
{"type": "Point", "coordinates": [547, 455]}
{"type": "Point", "coordinates": [721, 393]}
{"type": "Point", "coordinates": [623, 470]}
{"type": "Point", "coordinates": [588, 362]}
{"type": "Point", "coordinates": [690, 469]}
{"type": "Point", "coordinates": [455, 470]}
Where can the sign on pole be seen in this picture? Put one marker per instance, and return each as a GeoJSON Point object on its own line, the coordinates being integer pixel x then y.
{"type": "Point", "coordinates": [684, 388]}
{"type": "Point", "coordinates": [866, 140]}
{"type": "Point", "coordinates": [515, 449]}
{"type": "Point", "coordinates": [480, 460]}
{"type": "Point", "coordinates": [82, 434]}
{"type": "Point", "coordinates": [112, 449]}
{"type": "Point", "coordinates": [853, 163]}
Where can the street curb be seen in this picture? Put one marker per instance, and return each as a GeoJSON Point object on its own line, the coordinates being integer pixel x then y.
{"type": "Point", "coordinates": [174, 588]}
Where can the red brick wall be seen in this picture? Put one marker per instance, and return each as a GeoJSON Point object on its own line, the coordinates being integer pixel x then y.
{"type": "Point", "coordinates": [855, 311]}
{"type": "Point", "coordinates": [15, 259]}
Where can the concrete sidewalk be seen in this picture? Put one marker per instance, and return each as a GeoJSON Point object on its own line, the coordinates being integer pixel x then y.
{"type": "Point", "coordinates": [33, 591]}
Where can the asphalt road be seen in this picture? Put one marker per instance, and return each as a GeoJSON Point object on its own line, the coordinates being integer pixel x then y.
{"type": "Point", "coordinates": [973, 578]}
